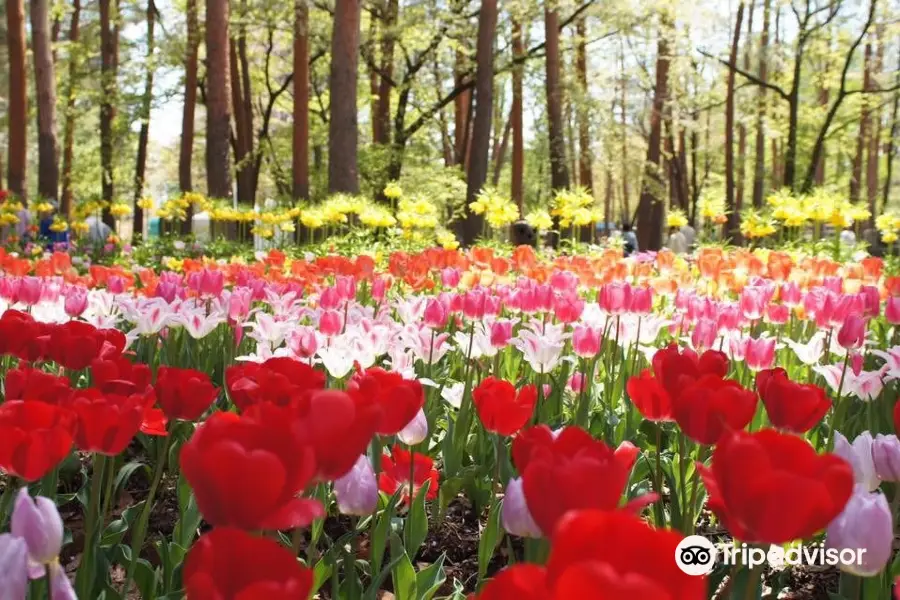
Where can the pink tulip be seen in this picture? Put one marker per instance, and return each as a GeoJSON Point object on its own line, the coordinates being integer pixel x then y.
{"type": "Point", "coordinates": [116, 285]}
{"type": "Point", "coordinates": [892, 310]}
{"type": "Point", "coordinates": [329, 299]}
{"type": "Point", "coordinates": [563, 281]}
{"type": "Point", "coordinates": [853, 332]}
{"type": "Point", "coordinates": [474, 303]}
{"type": "Point", "coordinates": [753, 302]}
{"type": "Point", "coordinates": [760, 353]}
{"type": "Point", "coordinates": [856, 363]}
{"type": "Point", "coordinates": [576, 382]}
{"type": "Point", "coordinates": [778, 314]}
{"type": "Point", "coordinates": [30, 290]}
{"type": "Point", "coordinates": [615, 298]}
{"type": "Point", "coordinates": [515, 516]}
{"type": "Point", "coordinates": [239, 304]}
{"type": "Point", "coordinates": [357, 491]}
{"type": "Point", "coordinates": [303, 342]}
{"type": "Point", "coordinates": [641, 300]}
{"type": "Point", "coordinates": [76, 302]}
{"type": "Point", "coordinates": [436, 313]}
{"type": "Point", "coordinates": [586, 341]}
{"type": "Point", "coordinates": [871, 301]}
{"type": "Point", "coordinates": [210, 283]}
{"type": "Point", "coordinates": [543, 296]}
{"type": "Point", "coordinates": [791, 294]}
{"type": "Point", "coordinates": [730, 318]}
{"type": "Point", "coordinates": [167, 291]}
{"type": "Point", "coordinates": [450, 277]}
{"type": "Point", "coordinates": [345, 287]}
{"type": "Point", "coordinates": [834, 284]}
{"type": "Point", "coordinates": [331, 322]}
{"type": "Point", "coordinates": [567, 308]}
{"type": "Point", "coordinates": [9, 289]}
{"type": "Point", "coordinates": [379, 288]}
{"type": "Point", "coordinates": [704, 335]}
{"type": "Point", "coordinates": [501, 332]}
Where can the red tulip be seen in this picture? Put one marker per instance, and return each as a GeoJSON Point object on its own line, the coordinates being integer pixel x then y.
{"type": "Point", "coordinates": [794, 406]}
{"type": "Point", "coordinates": [675, 368]}
{"type": "Point", "coordinates": [228, 564]}
{"type": "Point", "coordinates": [650, 397]}
{"type": "Point", "coordinates": [120, 376]}
{"type": "Point", "coordinates": [277, 380]}
{"type": "Point", "coordinates": [399, 399]}
{"type": "Point", "coordinates": [500, 408]}
{"type": "Point", "coordinates": [600, 555]}
{"type": "Point", "coordinates": [395, 472]}
{"type": "Point", "coordinates": [108, 422]}
{"type": "Point", "coordinates": [337, 426]}
{"type": "Point", "coordinates": [34, 437]}
{"type": "Point", "coordinates": [23, 337]}
{"type": "Point", "coordinates": [154, 422]}
{"type": "Point", "coordinates": [184, 393]}
{"type": "Point", "coordinates": [752, 475]}
{"type": "Point", "coordinates": [26, 383]}
{"type": "Point", "coordinates": [247, 472]}
{"type": "Point", "coordinates": [75, 344]}
{"type": "Point", "coordinates": [711, 407]}
{"type": "Point", "coordinates": [581, 472]}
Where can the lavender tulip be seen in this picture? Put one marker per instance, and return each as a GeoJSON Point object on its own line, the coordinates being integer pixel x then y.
{"type": "Point", "coordinates": [886, 456]}
{"type": "Point", "coordinates": [514, 515]}
{"type": "Point", "coordinates": [37, 521]}
{"type": "Point", "coordinates": [865, 524]}
{"type": "Point", "coordinates": [415, 431]}
{"type": "Point", "coordinates": [357, 491]}
{"type": "Point", "coordinates": [13, 567]}
{"type": "Point", "coordinates": [859, 455]}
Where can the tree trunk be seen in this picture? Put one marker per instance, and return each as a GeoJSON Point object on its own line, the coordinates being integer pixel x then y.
{"type": "Point", "coordinates": [18, 99]}
{"type": "Point", "coordinates": [250, 173]}
{"type": "Point", "coordinates": [742, 127]}
{"type": "Point", "coordinates": [518, 150]}
{"type": "Point", "coordinates": [383, 114]}
{"type": "Point", "coordinates": [241, 143]}
{"type": "Point", "coordinates": [895, 129]}
{"type": "Point", "coordinates": [626, 203]}
{"type": "Point", "coordinates": [300, 155]}
{"type": "Point", "coordinates": [471, 226]}
{"type": "Point", "coordinates": [140, 168]}
{"type": "Point", "coordinates": [218, 101]}
{"type": "Point", "coordinates": [585, 159]}
{"type": "Point", "coordinates": [374, 79]}
{"type": "Point", "coordinates": [461, 113]}
{"type": "Point", "coordinates": [108, 70]}
{"type": "Point", "coordinates": [650, 206]}
{"type": "Point", "coordinates": [875, 132]}
{"type": "Point", "coordinates": [69, 127]}
{"type": "Point", "coordinates": [824, 101]}
{"type": "Point", "coordinates": [45, 88]}
{"type": "Point", "coordinates": [862, 141]}
{"type": "Point", "coordinates": [759, 171]}
{"type": "Point", "coordinates": [186, 151]}
{"type": "Point", "coordinates": [343, 175]}
{"type": "Point", "coordinates": [734, 217]}
{"type": "Point", "coordinates": [500, 146]}
{"type": "Point", "coordinates": [559, 173]}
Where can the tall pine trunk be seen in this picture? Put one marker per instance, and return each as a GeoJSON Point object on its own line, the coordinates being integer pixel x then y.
{"type": "Point", "coordinates": [742, 126]}
{"type": "Point", "coordinates": [461, 113]}
{"type": "Point", "coordinates": [734, 218]}
{"type": "Point", "coordinates": [109, 49]}
{"type": "Point", "coordinates": [69, 127]}
{"type": "Point", "coordinates": [759, 170]}
{"type": "Point", "coordinates": [300, 153]}
{"type": "Point", "coordinates": [140, 168]}
{"type": "Point", "coordinates": [891, 146]}
{"type": "Point", "coordinates": [45, 88]}
{"type": "Point", "coordinates": [585, 158]}
{"type": "Point", "coordinates": [186, 151]}
{"type": "Point", "coordinates": [481, 127]}
{"type": "Point", "coordinates": [650, 205]}
{"type": "Point", "coordinates": [18, 99]}
{"type": "Point", "coordinates": [241, 143]}
{"type": "Point", "coordinates": [559, 173]}
{"type": "Point", "coordinates": [343, 173]}
{"type": "Point", "coordinates": [218, 101]}
{"type": "Point", "coordinates": [518, 149]}
{"type": "Point", "coordinates": [383, 102]}
{"type": "Point", "coordinates": [862, 141]}
{"type": "Point", "coordinates": [875, 132]}
{"type": "Point", "coordinates": [626, 202]}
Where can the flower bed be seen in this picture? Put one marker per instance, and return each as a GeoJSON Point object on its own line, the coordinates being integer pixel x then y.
{"type": "Point", "coordinates": [342, 426]}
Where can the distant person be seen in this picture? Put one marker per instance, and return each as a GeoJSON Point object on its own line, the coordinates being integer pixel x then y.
{"type": "Point", "coordinates": [873, 240]}
{"type": "Point", "coordinates": [631, 244]}
{"type": "Point", "coordinates": [523, 234]}
{"type": "Point", "coordinates": [98, 231]}
{"type": "Point", "coordinates": [677, 242]}
{"type": "Point", "coordinates": [848, 238]}
{"type": "Point", "coordinates": [45, 228]}
{"type": "Point", "coordinates": [690, 235]}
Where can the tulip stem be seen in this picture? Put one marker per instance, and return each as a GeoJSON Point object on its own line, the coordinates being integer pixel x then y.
{"type": "Point", "coordinates": [85, 578]}
{"type": "Point", "coordinates": [838, 413]}
{"type": "Point", "coordinates": [137, 540]}
{"type": "Point", "coordinates": [412, 487]}
{"type": "Point", "coordinates": [660, 503]}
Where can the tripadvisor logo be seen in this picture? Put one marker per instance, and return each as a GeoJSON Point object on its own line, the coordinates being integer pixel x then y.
{"type": "Point", "coordinates": [696, 555]}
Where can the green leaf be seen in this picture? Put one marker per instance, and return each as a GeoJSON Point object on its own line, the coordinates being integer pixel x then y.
{"type": "Point", "coordinates": [380, 535]}
{"type": "Point", "coordinates": [430, 579]}
{"type": "Point", "coordinates": [490, 538]}
{"type": "Point", "coordinates": [417, 521]}
{"type": "Point", "coordinates": [403, 574]}
{"type": "Point", "coordinates": [125, 474]}
{"type": "Point", "coordinates": [115, 531]}
{"type": "Point", "coordinates": [321, 572]}
{"type": "Point", "coordinates": [145, 578]}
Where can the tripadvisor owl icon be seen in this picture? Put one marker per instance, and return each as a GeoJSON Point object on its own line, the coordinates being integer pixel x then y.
{"type": "Point", "coordinates": [696, 555]}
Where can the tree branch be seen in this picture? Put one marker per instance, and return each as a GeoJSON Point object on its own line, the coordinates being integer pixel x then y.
{"type": "Point", "coordinates": [753, 78]}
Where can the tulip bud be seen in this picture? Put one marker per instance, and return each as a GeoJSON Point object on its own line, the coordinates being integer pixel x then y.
{"type": "Point", "coordinates": [615, 298]}
{"type": "Point", "coordinates": [853, 332]}
{"type": "Point", "coordinates": [791, 294]}
{"type": "Point", "coordinates": [436, 313]}
{"type": "Point", "coordinates": [76, 302]}
{"type": "Point", "coordinates": [329, 298]}
{"type": "Point", "coordinates": [859, 455]}
{"type": "Point", "coordinates": [501, 331]}
{"type": "Point", "coordinates": [892, 310]}
{"type": "Point", "coordinates": [115, 284]}
{"type": "Point", "coordinates": [357, 491]}
{"type": "Point", "coordinates": [415, 431]}
{"type": "Point", "coordinates": [167, 291]}
{"type": "Point", "coordinates": [871, 301]}
{"type": "Point", "coordinates": [450, 277]}
{"type": "Point", "coordinates": [704, 335]}
{"type": "Point", "coordinates": [30, 290]}
{"type": "Point", "coordinates": [865, 527]}
{"type": "Point", "coordinates": [568, 307]}
{"type": "Point", "coordinates": [760, 353]}
{"type": "Point", "coordinates": [331, 322]}
{"type": "Point", "coordinates": [37, 522]}
{"type": "Point", "coordinates": [586, 341]}
{"type": "Point", "coordinates": [576, 382]}
{"type": "Point", "coordinates": [515, 516]}
{"type": "Point", "coordinates": [886, 456]}
{"type": "Point", "coordinates": [379, 288]}
{"type": "Point", "coordinates": [641, 300]}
